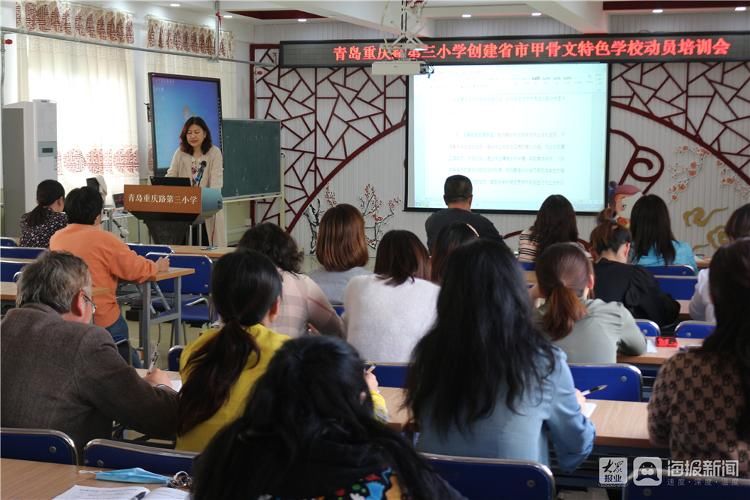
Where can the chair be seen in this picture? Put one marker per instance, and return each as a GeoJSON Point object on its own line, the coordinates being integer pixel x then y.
{"type": "Point", "coordinates": [679, 287]}
{"type": "Point", "coordinates": [8, 270]}
{"type": "Point", "coordinates": [690, 488]}
{"type": "Point", "coordinates": [623, 381]}
{"type": "Point", "coordinates": [485, 478]}
{"type": "Point", "coordinates": [39, 445]}
{"type": "Point", "coordinates": [528, 266]}
{"type": "Point", "coordinates": [173, 358]}
{"type": "Point", "coordinates": [681, 270]}
{"type": "Point", "coordinates": [118, 455]}
{"type": "Point", "coordinates": [339, 310]}
{"type": "Point", "coordinates": [7, 242]}
{"type": "Point", "coordinates": [648, 327]}
{"type": "Point", "coordinates": [694, 329]}
{"type": "Point", "coordinates": [391, 374]}
{"type": "Point", "coordinates": [144, 250]}
{"type": "Point", "coordinates": [20, 252]}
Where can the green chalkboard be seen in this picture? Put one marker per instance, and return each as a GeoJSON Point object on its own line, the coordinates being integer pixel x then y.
{"type": "Point", "coordinates": [252, 157]}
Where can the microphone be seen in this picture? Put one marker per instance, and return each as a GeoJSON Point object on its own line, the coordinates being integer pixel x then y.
{"type": "Point", "coordinates": [199, 176]}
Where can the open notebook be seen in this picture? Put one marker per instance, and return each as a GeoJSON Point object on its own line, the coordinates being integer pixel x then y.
{"type": "Point", "coordinates": [125, 493]}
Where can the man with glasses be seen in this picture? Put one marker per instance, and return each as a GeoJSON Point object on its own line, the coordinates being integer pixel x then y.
{"type": "Point", "coordinates": [59, 371]}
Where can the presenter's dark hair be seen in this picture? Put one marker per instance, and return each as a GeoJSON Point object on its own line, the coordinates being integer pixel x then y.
{"type": "Point", "coordinates": [651, 228]}
{"type": "Point", "coordinates": [738, 225]}
{"type": "Point", "coordinates": [341, 241]}
{"type": "Point", "coordinates": [562, 274]}
{"type": "Point", "coordinates": [313, 390]}
{"type": "Point", "coordinates": [276, 244]}
{"type": "Point", "coordinates": [608, 234]}
{"type": "Point", "coordinates": [555, 223]}
{"type": "Point", "coordinates": [448, 239]}
{"type": "Point", "coordinates": [484, 338]}
{"type": "Point", "coordinates": [184, 145]}
{"type": "Point", "coordinates": [729, 284]}
{"type": "Point", "coordinates": [244, 286]}
{"type": "Point", "coordinates": [83, 205]}
{"type": "Point", "coordinates": [457, 188]}
{"type": "Point", "coordinates": [47, 192]}
{"type": "Point", "coordinates": [401, 256]}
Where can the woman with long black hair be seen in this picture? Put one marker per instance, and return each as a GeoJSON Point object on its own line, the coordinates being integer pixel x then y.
{"type": "Point", "coordinates": [484, 381]}
{"type": "Point", "coordinates": [38, 226]}
{"type": "Point", "coordinates": [308, 432]}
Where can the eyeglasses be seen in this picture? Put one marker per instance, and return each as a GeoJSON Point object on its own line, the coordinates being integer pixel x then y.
{"type": "Point", "coordinates": [88, 299]}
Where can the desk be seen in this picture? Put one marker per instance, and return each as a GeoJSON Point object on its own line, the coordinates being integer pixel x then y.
{"type": "Point", "coordinates": [10, 290]}
{"type": "Point", "coordinates": [26, 479]}
{"type": "Point", "coordinates": [213, 253]}
{"type": "Point", "coordinates": [530, 277]}
{"type": "Point", "coordinates": [173, 314]}
{"type": "Point", "coordinates": [618, 423]}
{"type": "Point", "coordinates": [660, 356]}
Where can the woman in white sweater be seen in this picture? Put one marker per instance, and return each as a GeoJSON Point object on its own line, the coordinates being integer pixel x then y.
{"type": "Point", "coordinates": [388, 312]}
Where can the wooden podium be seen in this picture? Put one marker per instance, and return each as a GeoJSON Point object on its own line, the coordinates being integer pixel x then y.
{"type": "Point", "coordinates": [168, 211]}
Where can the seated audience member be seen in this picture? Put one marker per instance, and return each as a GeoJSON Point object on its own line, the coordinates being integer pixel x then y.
{"type": "Point", "coordinates": [700, 406]}
{"type": "Point", "coordinates": [109, 259]}
{"type": "Point", "coordinates": [618, 281]}
{"type": "Point", "coordinates": [341, 249]}
{"type": "Point", "coordinates": [61, 372]}
{"type": "Point", "coordinates": [738, 226]}
{"type": "Point", "coordinates": [448, 239]}
{"type": "Point", "coordinates": [386, 313]}
{"type": "Point", "coordinates": [308, 431]}
{"type": "Point", "coordinates": [220, 368]}
{"type": "Point", "coordinates": [588, 330]}
{"type": "Point", "coordinates": [458, 196]}
{"type": "Point", "coordinates": [555, 223]}
{"type": "Point", "coordinates": [653, 241]}
{"type": "Point", "coordinates": [484, 382]}
{"type": "Point", "coordinates": [38, 226]}
{"type": "Point", "coordinates": [302, 300]}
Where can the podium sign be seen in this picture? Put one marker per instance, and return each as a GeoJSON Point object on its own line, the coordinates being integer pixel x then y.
{"type": "Point", "coordinates": [163, 199]}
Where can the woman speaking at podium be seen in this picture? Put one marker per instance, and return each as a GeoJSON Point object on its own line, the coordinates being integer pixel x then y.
{"type": "Point", "coordinates": [198, 159]}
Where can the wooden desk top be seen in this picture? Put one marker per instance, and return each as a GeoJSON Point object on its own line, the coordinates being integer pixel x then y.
{"type": "Point", "coordinates": [173, 272]}
{"type": "Point", "coordinates": [618, 423]}
{"type": "Point", "coordinates": [660, 356]}
{"type": "Point", "coordinates": [684, 309]}
{"type": "Point", "coordinates": [8, 290]}
{"type": "Point", "coordinates": [25, 479]}
{"type": "Point", "coordinates": [213, 253]}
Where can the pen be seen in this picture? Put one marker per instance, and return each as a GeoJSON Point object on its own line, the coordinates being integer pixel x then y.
{"type": "Point", "coordinates": [154, 357]}
{"type": "Point", "coordinates": [594, 389]}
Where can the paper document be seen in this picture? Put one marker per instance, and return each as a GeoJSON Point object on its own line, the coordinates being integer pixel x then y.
{"type": "Point", "coordinates": [126, 493]}
{"type": "Point", "coordinates": [650, 345]}
{"type": "Point", "coordinates": [588, 409]}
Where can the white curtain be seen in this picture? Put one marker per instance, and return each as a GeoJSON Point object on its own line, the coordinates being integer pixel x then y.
{"type": "Point", "coordinates": [94, 88]}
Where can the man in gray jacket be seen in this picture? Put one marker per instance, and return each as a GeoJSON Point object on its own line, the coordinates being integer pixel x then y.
{"type": "Point", "coordinates": [60, 372]}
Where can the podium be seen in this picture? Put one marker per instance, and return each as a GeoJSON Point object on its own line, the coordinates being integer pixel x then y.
{"type": "Point", "coordinates": [168, 211]}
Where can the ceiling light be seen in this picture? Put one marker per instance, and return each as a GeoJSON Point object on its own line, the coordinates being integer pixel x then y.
{"type": "Point", "coordinates": [657, 11]}
{"type": "Point", "coordinates": [174, 5]}
{"type": "Point", "coordinates": [536, 14]}
{"type": "Point", "coordinates": [228, 16]}
{"type": "Point", "coordinates": [466, 16]}
{"type": "Point", "coordinates": [741, 8]}
{"type": "Point", "coordinates": [301, 20]}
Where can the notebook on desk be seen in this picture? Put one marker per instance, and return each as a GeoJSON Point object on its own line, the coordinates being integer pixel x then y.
{"type": "Point", "coordinates": [126, 493]}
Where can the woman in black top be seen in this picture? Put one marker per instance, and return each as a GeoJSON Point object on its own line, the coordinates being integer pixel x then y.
{"type": "Point", "coordinates": [618, 281]}
{"type": "Point", "coordinates": [38, 226]}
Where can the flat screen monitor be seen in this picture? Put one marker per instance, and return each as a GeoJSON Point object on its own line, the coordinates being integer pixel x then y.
{"type": "Point", "coordinates": [170, 181]}
{"type": "Point", "coordinates": [174, 99]}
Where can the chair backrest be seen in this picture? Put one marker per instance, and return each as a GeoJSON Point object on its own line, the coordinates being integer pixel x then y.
{"type": "Point", "coordinates": [7, 242]}
{"type": "Point", "coordinates": [391, 374]}
{"type": "Point", "coordinates": [681, 270]}
{"type": "Point", "coordinates": [528, 266]}
{"type": "Point", "coordinates": [8, 270]}
{"type": "Point", "coordinates": [20, 252]}
{"type": "Point", "coordinates": [339, 310]}
{"type": "Point", "coordinates": [39, 445]}
{"type": "Point", "coordinates": [648, 327]}
{"type": "Point", "coordinates": [694, 329]}
{"type": "Point", "coordinates": [119, 455]}
{"type": "Point", "coordinates": [690, 488]}
{"type": "Point", "coordinates": [480, 478]}
{"type": "Point", "coordinates": [143, 250]}
{"type": "Point", "coordinates": [679, 287]}
{"type": "Point", "coordinates": [173, 357]}
{"type": "Point", "coordinates": [197, 283]}
{"type": "Point", "coordinates": [623, 381]}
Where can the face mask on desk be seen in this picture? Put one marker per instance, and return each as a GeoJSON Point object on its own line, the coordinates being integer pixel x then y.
{"type": "Point", "coordinates": [135, 475]}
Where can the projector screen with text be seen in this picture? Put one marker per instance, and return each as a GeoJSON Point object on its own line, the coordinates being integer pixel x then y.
{"type": "Point", "coordinates": [519, 132]}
